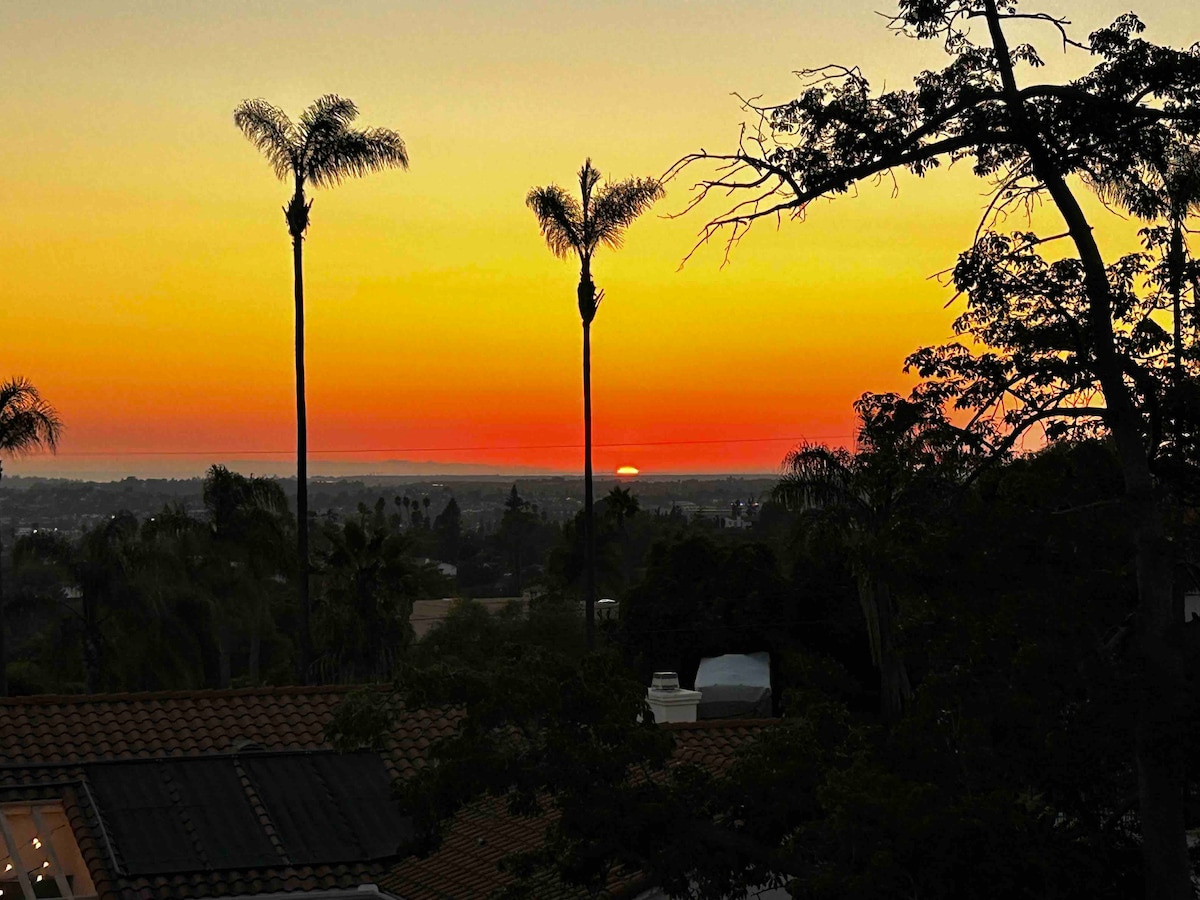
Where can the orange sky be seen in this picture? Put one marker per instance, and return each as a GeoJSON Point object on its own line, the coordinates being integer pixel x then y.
{"type": "Point", "coordinates": [145, 268]}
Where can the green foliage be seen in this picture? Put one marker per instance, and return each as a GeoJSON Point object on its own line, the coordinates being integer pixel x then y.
{"type": "Point", "coordinates": [201, 598]}
{"type": "Point", "coordinates": [366, 586]}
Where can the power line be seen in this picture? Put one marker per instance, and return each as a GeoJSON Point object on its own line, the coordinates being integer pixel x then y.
{"type": "Point", "coordinates": [753, 440]}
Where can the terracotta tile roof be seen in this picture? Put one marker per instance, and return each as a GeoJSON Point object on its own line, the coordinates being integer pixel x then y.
{"type": "Point", "coordinates": [80, 729]}
{"type": "Point", "coordinates": [713, 743]}
{"type": "Point", "coordinates": [47, 740]}
{"type": "Point", "coordinates": [465, 866]}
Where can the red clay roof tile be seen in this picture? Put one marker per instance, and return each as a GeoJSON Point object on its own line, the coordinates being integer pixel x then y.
{"type": "Point", "coordinates": [72, 731]}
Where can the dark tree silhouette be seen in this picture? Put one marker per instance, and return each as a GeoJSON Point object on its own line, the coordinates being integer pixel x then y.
{"type": "Point", "coordinates": [1110, 123]}
{"type": "Point", "coordinates": [27, 423]}
{"type": "Point", "coordinates": [580, 227]}
{"type": "Point", "coordinates": [876, 498]}
{"type": "Point", "coordinates": [247, 519]}
{"type": "Point", "coordinates": [516, 527]}
{"type": "Point", "coordinates": [448, 529]}
{"type": "Point", "coordinates": [104, 566]}
{"type": "Point", "coordinates": [320, 150]}
{"type": "Point", "coordinates": [369, 580]}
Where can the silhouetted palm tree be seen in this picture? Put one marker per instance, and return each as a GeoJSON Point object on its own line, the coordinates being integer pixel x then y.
{"type": "Point", "coordinates": [581, 226]}
{"type": "Point", "coordinates": [320, 150]}
{"type": "Point", "coordinates": [1169, 191]}
{"type": "Point", "coordinates": [27, 423]}
{"type": "Point", "coordinates": [907, 456]}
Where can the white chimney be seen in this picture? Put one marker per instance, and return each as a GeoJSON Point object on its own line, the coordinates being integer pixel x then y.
{"type": "Point", "coordinates": [668, 701]}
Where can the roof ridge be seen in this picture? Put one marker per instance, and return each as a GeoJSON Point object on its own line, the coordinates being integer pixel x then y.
{"type": "Point", "coordinates": [200, 694]}
{"type": "Point", "coordinates": [706, 724]}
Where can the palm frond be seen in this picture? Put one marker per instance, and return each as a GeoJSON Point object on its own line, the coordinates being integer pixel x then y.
{"type": "Point", "coordinates": [1166, 187]}
{"type": "Point", "coordinates": [330, 112]}
{"type": "Point", "coordinates": [1138, 196]}
{"type": "Point", "coordinates": [589, 177]}
{"type": "Point", "coordinates": [817, 477]}
{"type": "Point", "coordinates": [27, 421]}
{"type": "Point", "coordinates": [269, 129]}
{"type": "Point", "coordinates": [333, 156]}
{"type": "Point", "coordinates": [560, 218]}
{"type": "Point", "coordinates": [265, 494]}
{"type": "Point", "coordinates": [617, 205]}
{"type": "Point", "coordinates": [1182, 182]}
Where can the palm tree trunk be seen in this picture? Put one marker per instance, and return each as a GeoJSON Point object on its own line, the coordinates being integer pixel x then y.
{"type": "Point", "coordinates": [301, 452]}
{"type": "Point", "coordinates": [895, 690]}
{"type": "Point", "coordinates": [255, 656]}
{"type": "Point", "coordinates": [91, 644]}
{"type": "Point", "coordinates": [225, 674]}
{"type": "Point", "coordinates": [589, 558]}
{"type": "Point", "coordinates": [518, 566]}
{"type": "Point", "coordinates": [3, 618]}
{"type": "Point", "coordinates": [875, 597]}
{"type": "Point", "coordinates": [1175, 265]}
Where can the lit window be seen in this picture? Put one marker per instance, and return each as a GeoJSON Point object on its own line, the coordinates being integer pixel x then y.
{"type": "Point", "coordinates": [39, 856]}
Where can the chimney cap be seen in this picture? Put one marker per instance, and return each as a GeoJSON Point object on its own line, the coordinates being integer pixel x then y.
{"type": "Point", "coordinates": [665, 681]}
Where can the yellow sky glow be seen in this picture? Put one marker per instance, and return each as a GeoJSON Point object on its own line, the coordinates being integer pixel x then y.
{"type": "Point", "coordinates": [146, 272]}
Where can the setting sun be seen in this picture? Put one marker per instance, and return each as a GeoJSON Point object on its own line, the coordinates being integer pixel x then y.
{"type": "Point", "coordinates": [627, 470]}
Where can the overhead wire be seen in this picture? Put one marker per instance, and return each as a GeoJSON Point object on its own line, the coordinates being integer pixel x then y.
{"type": "Point", "coordinates": [458, 449]}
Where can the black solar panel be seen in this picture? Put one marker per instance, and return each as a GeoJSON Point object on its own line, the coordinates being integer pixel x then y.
{"type": "Point", "coordinates": [308, 819]}
{"type": "Point", "coordinates": [356, 780]}
{"type": "Point", "coordinates": [329, 807]}
{"type": "Point", "coordinates": [136, 804]}
{"type": "Point", "coordinates": [190, 815]}
{"type": "Point", "coordinates": [215, 801]}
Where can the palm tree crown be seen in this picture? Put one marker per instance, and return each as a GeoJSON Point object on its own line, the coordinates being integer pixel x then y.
{"type": "Point", "coordinates": [321, 149]}
{"type": "Point", "coordinates": [598, 217]}
{"type": "Point", "coordinates": [27, 422]}
{"type": "Point", "coordinates": [1167, 189]}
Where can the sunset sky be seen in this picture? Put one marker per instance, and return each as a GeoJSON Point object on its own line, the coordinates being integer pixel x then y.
{"type": "Point", "coordinates": [145, 267]}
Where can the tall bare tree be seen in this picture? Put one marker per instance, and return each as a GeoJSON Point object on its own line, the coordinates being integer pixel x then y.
{"type": "Point", "coordinates": [580, 227]}
{"type": "Point", "coordinates": [320, 150]}
{"type": "Point", "coordinates": [28, 423]}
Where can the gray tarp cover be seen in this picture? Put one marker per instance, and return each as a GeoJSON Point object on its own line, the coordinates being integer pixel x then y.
{"type": "Point", "coordinates": [734, 685]}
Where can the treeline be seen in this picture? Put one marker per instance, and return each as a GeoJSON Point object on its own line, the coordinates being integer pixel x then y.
{"type": "Point", "coordinates": [187, 599]}
{"type": "Point", "coordinates": [205, 597]}
{"type": "Point", "coordinates": [201, 593]}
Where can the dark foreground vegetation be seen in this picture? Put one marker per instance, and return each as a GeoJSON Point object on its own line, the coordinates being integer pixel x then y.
{"type": "Point", "coordinates": [1012, 595]}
